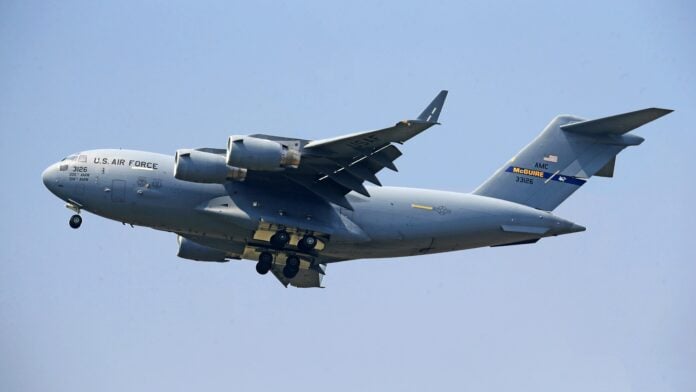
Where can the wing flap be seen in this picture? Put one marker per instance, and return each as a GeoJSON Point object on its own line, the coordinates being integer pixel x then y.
{"type": "Point", "coordinates": [349, 181]}
{"type": "Point", "coordinates": [386, 156]}
{"type": "Point", "coordinates": [364, 173]}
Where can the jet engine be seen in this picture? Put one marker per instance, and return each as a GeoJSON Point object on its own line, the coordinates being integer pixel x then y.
{"type": "Point", "coordinates": [194, 251]}
{"type": "Point", "coordinates": [205, 167]}
{"type": "Point", "coordinates": [260, 154]}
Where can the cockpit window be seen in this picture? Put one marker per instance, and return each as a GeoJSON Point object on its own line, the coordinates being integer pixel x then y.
{"type": "Point", "coordinates": [70, 158]}
{"type": "Point", "coordinates": [82, 158]}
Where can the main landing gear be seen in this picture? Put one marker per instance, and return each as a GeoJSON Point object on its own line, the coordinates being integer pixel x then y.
{"type": "Point", "coordinates": [307, 243]}
{"type": "Point", "coordinates": [280, 239]}
{"type": "Point", "coordinates": [75, 221]}
{"type": "Point", "coordinates": [292, 267]}
{"type": "Point", "coordinates": [265, 263]}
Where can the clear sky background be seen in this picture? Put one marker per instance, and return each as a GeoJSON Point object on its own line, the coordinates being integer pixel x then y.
{"type": "Point", "coordinates": [111, 308]}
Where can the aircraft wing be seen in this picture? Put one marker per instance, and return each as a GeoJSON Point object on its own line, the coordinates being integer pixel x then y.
{"type": "Point", "coordinates": [331, 168]}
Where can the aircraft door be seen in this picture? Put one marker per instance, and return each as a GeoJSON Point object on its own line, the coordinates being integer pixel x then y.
{"type": "Point", "coordinates": [118, 191]}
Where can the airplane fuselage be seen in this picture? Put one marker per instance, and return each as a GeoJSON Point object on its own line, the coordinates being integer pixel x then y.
{"type": "Point", "coordinates": [139, 188]}
{"type": "Point", "coordinates": [295, 205]}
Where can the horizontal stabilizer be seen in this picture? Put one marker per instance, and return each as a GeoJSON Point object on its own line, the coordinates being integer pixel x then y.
{"type": "Point", "coordinates": [618, 124]}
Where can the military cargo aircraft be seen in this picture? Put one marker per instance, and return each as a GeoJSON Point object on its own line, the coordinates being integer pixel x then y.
{"type": "Point", "coordinates": [295, 205]}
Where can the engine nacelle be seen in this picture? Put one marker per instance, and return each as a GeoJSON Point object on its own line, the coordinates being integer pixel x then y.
{"type": "Point", "coordinates": [194, 251]}
{"type": "Point", "coordinates": [260, 154]}
{"type": "Point", "coordinates": [205, 167]}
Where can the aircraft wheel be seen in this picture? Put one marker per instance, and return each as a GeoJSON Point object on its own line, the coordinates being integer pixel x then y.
{"type": "Point", "coordinates": [307, 243]}
{"type": "Point", "coordinates": [292, 267]}
{"type": "Point", "coordinates": [265, 263]}
{"type": "Point", "coordinates": [75, 221]}
{"type": "Point", "coordinates": [280, 239]}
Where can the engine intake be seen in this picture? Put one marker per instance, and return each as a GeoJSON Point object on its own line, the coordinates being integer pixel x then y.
{"type": "Point", "coordinates": [260, 154]}
{"type": "Point", "coordinates": [194, 251]}
{"type": "Point", "coordinates": [204, 167]}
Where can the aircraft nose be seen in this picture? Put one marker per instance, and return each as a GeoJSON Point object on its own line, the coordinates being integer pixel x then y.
{"type": "Point", "coordinates": [49, 177]}
{"type": "Point", "coordinates": [44, 176]}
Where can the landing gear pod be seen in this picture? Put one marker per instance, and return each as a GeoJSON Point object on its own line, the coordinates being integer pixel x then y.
{"type": "Point", "coordinates": [194, 251]}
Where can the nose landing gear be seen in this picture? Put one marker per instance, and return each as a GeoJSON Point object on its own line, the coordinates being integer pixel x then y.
{"type": "Point", "coordinates": [75, 221]}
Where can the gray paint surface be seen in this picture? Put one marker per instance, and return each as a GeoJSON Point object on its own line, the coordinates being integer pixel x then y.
{"type": "Point", "coordinates": [111, 308]}
{"type": "Point", "coordinates": [220, 221]}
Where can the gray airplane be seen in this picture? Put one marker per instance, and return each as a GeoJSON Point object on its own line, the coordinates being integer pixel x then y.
{"type": "Point", "coordinates": [295, 205]}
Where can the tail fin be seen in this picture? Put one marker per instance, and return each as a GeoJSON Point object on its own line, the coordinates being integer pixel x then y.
{"type": "Point", "coordinates": [564, 156]}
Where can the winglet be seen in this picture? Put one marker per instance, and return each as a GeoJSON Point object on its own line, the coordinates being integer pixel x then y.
{"type": "Point", "coordinates": [432, 112]}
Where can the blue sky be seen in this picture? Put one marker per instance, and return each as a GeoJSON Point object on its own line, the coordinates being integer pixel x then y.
{"type": "Point", "coordinates": [111, 308]}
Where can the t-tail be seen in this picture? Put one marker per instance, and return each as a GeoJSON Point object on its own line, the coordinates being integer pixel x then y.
{"type": "Point", "coordinates": [564, 156]}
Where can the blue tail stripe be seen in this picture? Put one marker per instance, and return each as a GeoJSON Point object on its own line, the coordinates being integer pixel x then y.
{"type": "Point", "coordinates": [534, 173]}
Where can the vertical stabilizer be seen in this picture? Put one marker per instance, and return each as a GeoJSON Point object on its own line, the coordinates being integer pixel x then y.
{"type": "Point", "coordinates": [564, 156]}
